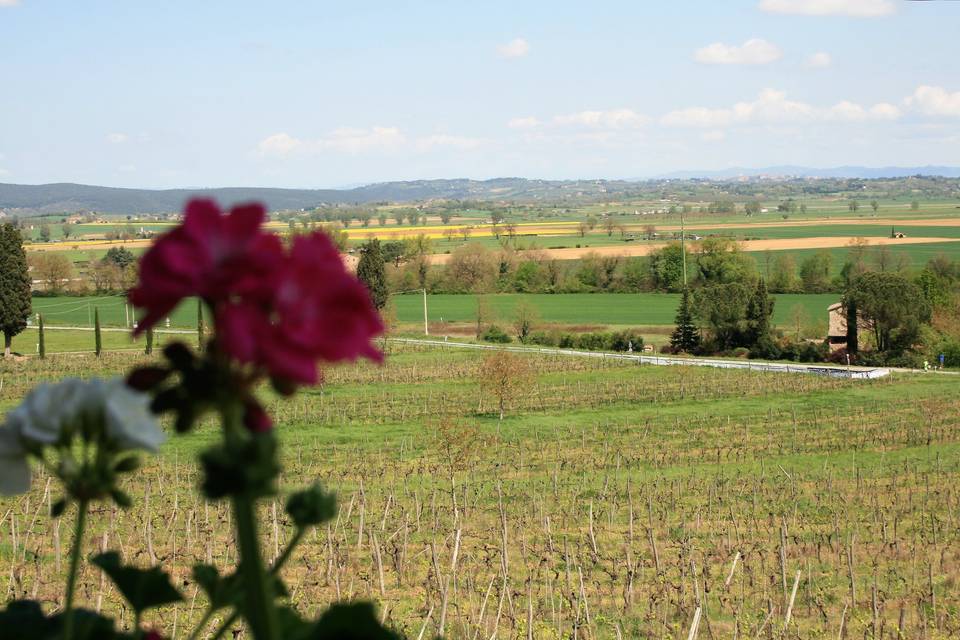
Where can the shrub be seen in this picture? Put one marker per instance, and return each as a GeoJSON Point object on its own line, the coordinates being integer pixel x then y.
{"type": "Point", "coordinates": [567, 341]}
{"type": "Point", "coordinates": [495, 334]}
{"type": "Point", "coordinates": [544, 338]}
{"type": "Point", "coordinates": [765, 348]}
{"type": "Point", "coordinates": [591, 341]}
{"type": "Point", "coordinates": [623, 340]}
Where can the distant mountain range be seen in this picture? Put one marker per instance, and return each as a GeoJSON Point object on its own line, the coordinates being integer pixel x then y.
{"type": "Point", "coordinates": [792, 171]}
{"type": "Point", "coordinates": [68, 197]}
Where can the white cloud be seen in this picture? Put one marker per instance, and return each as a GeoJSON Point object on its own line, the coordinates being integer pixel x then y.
{"type": "Point", "coordinates": [773, 107]}
{"type": "Point", "coordinates": [934, 101]}
{"type": "Point", "coordinates": [610, 119]}
{"type": "Point", "coordinates": [753, 51]}
{"type": "Point", "coordinates": [353, 140]}
{"type": "Point", "coordinates": [279, 144]}
{"type": "Point", "coordinates": [4, 172]}
{"type": "Point", "coordinates": [523, 123]}
{"type": "Point", "coordinates": [852, 112]}
{"type": "Point", "coordinates": [852, 8]}
{"type": "Point", "coordinates": [818, 60]}
{"type": "Point", "coordinates": [463, 143]}
{"type": "Point", "coordinates": [115, 138]}
{"type": "Point", "coordinates": [516, 48]}
{"type": "Point", "coordinates": [714, 136]}
{"type": "Point", "coordinates": [9, 3]}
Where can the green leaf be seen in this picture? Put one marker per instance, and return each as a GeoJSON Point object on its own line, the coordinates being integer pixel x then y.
{"type": "Point", "coordinates": [311, 506]}
{"type": "Point", "coordinates": [25, 620]}
{"type": "Point", "coordinates": [226, 591]}
{"type": "Point", "coordinates": [354, 621]}
{"type": "Point", "coordinates": [222, 591]}
{"type": "Point", "coordinates": [143, 588]}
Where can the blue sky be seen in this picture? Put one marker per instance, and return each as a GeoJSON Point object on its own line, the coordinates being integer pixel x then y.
{"type": "Point", "coordinates": [326, 94]}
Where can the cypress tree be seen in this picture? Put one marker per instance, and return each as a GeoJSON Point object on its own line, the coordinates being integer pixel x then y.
{"type": "Point", "coordinates": [41, 342]}
{"type": "Point", "coordinates": [853, 335]}
{"type": "Point", "coordinates": [685, 337]}
{"type": "Point", "coordinates": [370, 271]}
{"type": "Point", "coordinates": [201, 327]}
{"type": "Point", "coordinates": [14, 285]}
{"type": "Point", "coordinates": [97, 340]}
{"type": "Point", "coordinates": [759, 310]}
{"type": "Point", "coordinates": [149, 348]}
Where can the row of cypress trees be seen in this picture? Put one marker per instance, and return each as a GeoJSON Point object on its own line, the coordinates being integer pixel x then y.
{"type": "Point", "coordinates": [98, 336]}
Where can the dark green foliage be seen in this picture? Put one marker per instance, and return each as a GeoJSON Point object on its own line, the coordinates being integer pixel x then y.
{"type": "Point", "coordinates": [759, 310]}
{"type": "Point", "coordinates": [893, 307]}
{"type": "Point", "coordinates": [666, 268]}
{"type": "Point", "coordinates": [393, 252]}
{"type": "Point", "coordinates": [14, 285]}
{"type": "Point", "coordinates": [141, 588]}
{"type": "Point", "coordinates": [148, 349]}
{"type": "Point", "coordinates": [723, 308]}
{"type": "Point", "coordinates": [686, 335]}
{"type": "Point", "coordinates": [120, 256]}
{"type": "Point", "coordinates": [97, 338]}
{"type": "Point", "coordinates": [41, 338]}
{"type": "Point", "coordinates": [371, 273]}
{"type": "Point", "coordinates": [815, 272]}
{"type": "Point", "coordinates": [493, 333]}
{"type": "Point", "coordinates": [853, 328]}
{"type": "Point", "coordinates": [621, 341]}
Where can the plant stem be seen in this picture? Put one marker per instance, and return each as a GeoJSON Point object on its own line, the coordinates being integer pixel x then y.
{"type": "Point", "coordinates": [74, 567]}
{"type": "Point", "coordinates": [258, 590]}
{"type": "Point", "coordinates": [273, 572]}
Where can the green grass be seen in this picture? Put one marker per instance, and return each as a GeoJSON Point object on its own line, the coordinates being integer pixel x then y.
{"type": "Point", "coordinates": [917, 255]}
{"type": "Point", "coordinates": [624, 309]}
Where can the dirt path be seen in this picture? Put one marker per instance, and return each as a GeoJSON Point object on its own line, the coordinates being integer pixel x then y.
{"type": "Point", "coordinates": [773, 244]}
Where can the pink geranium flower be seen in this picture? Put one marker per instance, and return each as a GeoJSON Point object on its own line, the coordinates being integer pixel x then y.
{"type": "Point", "coordinates": [210, 255]}
{"type": "Point", "coordinates": [280, 312]}
{"type": "Point", "coordinates": [317, 311]}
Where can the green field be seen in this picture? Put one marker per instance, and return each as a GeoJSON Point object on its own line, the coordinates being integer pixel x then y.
{"type": "Point", "coordinates": [620, 309]}
{"type": "Point", "coordinates": [622, 498]}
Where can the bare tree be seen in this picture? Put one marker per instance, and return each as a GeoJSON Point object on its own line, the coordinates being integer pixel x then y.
{"type": "Point", "coordinates": [504, 376]}
{"type": "Point", "coordinates": [525, 319]}
{"type": "Point", "coordinates": [53, 269]}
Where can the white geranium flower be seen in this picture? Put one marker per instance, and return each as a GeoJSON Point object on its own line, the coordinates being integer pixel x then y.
{"type": "Point", "coordinates": [47, 411]}
{"type": "Point", "coordinates": [14, 470]}
{"type": "Point", "coordinates": [129, 421]}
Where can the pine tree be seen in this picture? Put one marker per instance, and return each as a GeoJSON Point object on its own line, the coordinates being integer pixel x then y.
{"type": "Point", "coordinates": [759, 310]}
{"type": "Point", "coordinates": [41, 341]}
{"type": "Point", "coordinates": [685, 337]}
{"type": "Point", "coordinates": [14, 285]}
{"type": "Point", "coordinates": [370, 271]}
{"type": "Point", "coordinates": [97, 339]}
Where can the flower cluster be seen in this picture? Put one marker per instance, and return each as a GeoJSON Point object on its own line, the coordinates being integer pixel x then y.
{"type": "Point", "coordinates": [105, 413]}
{"type": "Point", "coordinates": [278, 309]}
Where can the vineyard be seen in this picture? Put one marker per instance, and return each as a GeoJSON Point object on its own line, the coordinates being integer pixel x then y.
{"type": "Point", "coordinates": [612, 501]}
